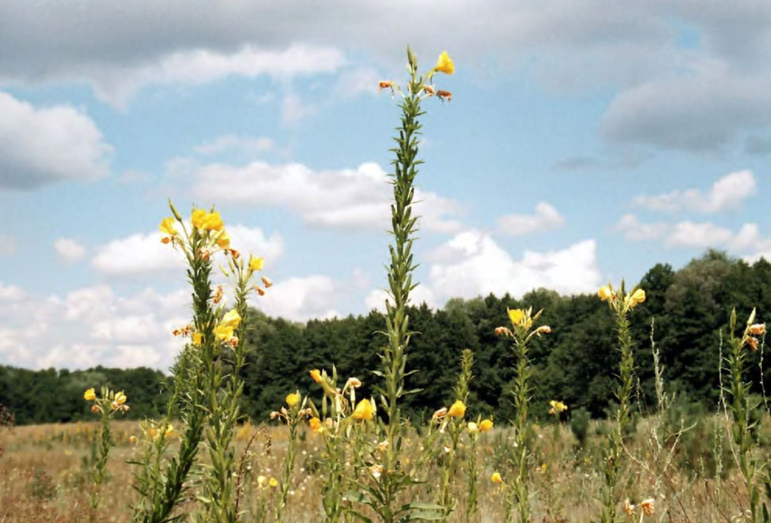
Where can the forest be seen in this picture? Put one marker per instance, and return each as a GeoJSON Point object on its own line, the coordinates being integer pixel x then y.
{"type": "Point", "coordinates": [684, 314]}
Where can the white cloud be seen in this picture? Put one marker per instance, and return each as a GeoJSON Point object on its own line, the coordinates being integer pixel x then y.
{"type": "Point", "coordinates": [91, 326]}
{"type": "Point", "coordinates": [546, 218]}
{"type": "Point", "coordinates": [116, 83]}
{"type": "Point", "coordinates": [39, 146]}
{"type": "Point", "coordinates": [300, 298]}
{"type": "Point", "coordinates": [635, 231]}
{"type": "Point", "coordinates": [691, 234]}
{"type": "Point", "coordinates": [7, 245]}
{"type": "Point", "coordinates": [69, 250]}
{"type": "Point", "coordinates": [346, 198]}
{"type": "Point", "coordinates": [473, 264]}
{"type": "Point", "coordinates": [694, 234]}
{"type": "Point", "coordinates": [726, 194]}
{"type": "Point", "coordinates": [144, 254]}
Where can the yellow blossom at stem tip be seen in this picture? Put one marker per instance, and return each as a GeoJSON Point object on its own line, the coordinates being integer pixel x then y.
{"type": "Point", "coordinates": [167, 227]}
{"type": "Point", "coordinates": [197, 339]}
{"type": "Point", "coordinates": [516, 316]}
{"type": "Point", "coordinates": [232, 319]}
{"type": "Point", "coordinates": [293, 399]}
{"type": "Point", "coordinates": [485, 425]}
{"type": "Point", "coordinates": [496, 478]}
{"type": "Point", "coordinates": [605, 293]}
{"type": "Point", "coordinates": [255, 264]}
{"type": "Point", "coordinates": [364, 411]}
{"type": "Point", "coordinates": [457, 410]}
{"type": "Point", "coordinates": [315, 424]}
{"type": "Point", "coordinates": [89, 395]}
{"type": "Point", "coordinates": [636, 298]}
{"type": "Point", "coordinates": [316, 375]}
{"type": "Point", "coordinates": [444, 64]}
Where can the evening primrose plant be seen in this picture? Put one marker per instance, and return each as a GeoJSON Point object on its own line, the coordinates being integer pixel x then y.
{"type": "Point", "coordinates": [107, 405]}
{"type": "Point", "coordinates": [207, 384]}
{"type": "Point", "coordinates": [522, 331]}
{"type": "Point", "coordinates": [621, 304]}
{"type": "Point", "coordinates": [389, 477]}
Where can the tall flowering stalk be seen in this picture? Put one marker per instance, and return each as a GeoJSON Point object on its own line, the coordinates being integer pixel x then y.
{"type": "Point", "coordinates": [620, 304]}
{"type": "Point", "coordinates": [741, 407]}
{"type": "Point", "coordinates": [452, 428]}
{"type": "Point", "coordinates": [206, 383]}
{"type": "Point", "coordinates": [391, 478]}
{"type": "Point", "coordinates": [522, 332]}
{"type": "Point", "coordinates": [106, 405]}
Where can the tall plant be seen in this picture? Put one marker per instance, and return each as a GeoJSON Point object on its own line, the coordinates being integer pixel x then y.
{"type": "Point", "coordinates": [389, 478]}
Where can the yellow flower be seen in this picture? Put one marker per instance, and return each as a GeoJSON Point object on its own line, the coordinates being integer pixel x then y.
{"type": "Point", "coordinates": [444, 64]}
{"type": "Point", "coordinates": [120, 398]}
{"type": "Point", "coordinates": [89, 395]}
{"type": "Point", "coordinates": [223, 240]}
{"type": "Point", "coordinates": [255, 264]}
{"type": "Point", "coordinates": [132, 439]}
{"type": "Point", "coordinates": [485, 425]}
{"type": "Point", "coordinates": [232, 319]}
{"type": "Point", "coordinates": [196, 339]}
{"type": "Point", "coordinates": [473, 428]}
{"type": "Point", "coordinates": [316, 375]}
{"type": "Point", "coordinates": [496, 478]}
{"type": "Point", "coordinates": [293, 399]}
{"type": "Point", "coordinates": [636, 298]}
{"type": "Point", "coordinates": [516, 316]}
{"type": "Point", "coordinates": [364, 411]}
{"type": "Point", "coordinates": [457, 410]}
{"type": "Point", "coordinates": [167, 227]}
{"type": "Point", "coordinates": [315, 424]}
{"type": "Point", "coordinates": [198, 217]}
{"type": "Point", "coordinates": [223, 332]}
{"type": "Point", "coordinates": [261, 480]}
{"type": "Point", "coordinates": [605, 293]}
{"type": "Point", "coordinates": [558, 406]}
{"type": "Point", "coordinates": [212, 222]}
{"type": "Point", "coordinates": [273, 483]}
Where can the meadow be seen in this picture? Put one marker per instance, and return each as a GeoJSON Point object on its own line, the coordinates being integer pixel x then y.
{"type": "Point", "coordinates": [335, 454]}
{"type": "Point", "coordinates": [45, 473]}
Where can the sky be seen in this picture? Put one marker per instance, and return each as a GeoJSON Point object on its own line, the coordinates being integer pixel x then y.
{"type": "Point", "coordinates": [585, 142]}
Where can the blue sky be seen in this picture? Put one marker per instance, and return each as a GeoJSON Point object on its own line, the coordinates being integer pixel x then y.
{"type": "Point", "coordinates": [585, 142]}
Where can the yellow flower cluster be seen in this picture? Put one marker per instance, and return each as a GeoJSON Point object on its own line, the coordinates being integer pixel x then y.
{"type": "Point", "coordinates": [557, 407]}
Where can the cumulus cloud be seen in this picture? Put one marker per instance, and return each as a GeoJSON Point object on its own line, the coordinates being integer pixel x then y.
{"type": "Point", "coordinates": [726, 194]}
{"type": "Point", "coordinates": [145, 255]}
{"type": "Point", "coordinates": [546, 218]}
{"type": "Point", "coordinates": [346, 198]}
{"type": "Point", "coordinates": [69, 250]}
{"type": "Point", "coordinates": [695, 235]}
{"type": "Point", "coordinates": [90, 326]}
{"type": "Point", "coordinates": [301, 298]}
{"type": "Point", "coordinates": [634, 230]}
{"type": "Point", "coordinates": [39, 146]}
{"type": "Point", "coordinates": [473, 264]}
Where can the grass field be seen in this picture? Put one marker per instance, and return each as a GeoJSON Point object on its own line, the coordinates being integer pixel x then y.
{"type": "Point", "coordinates": [44, 474]}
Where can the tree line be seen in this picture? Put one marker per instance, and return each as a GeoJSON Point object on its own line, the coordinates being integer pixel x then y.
{"type": "Point", "coordinates": [576, 363]}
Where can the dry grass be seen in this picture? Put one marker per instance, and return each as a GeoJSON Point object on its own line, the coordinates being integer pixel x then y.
{"type": "Point", "coordinates": [43, 475]}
